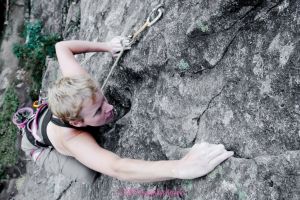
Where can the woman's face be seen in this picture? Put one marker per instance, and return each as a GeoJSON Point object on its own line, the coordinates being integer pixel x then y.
{"type": "Point", "coordinates": [97, 113]}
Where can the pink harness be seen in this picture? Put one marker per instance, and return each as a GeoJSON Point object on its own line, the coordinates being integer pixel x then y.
{"type": "Point", "coordinates": [23, 117]}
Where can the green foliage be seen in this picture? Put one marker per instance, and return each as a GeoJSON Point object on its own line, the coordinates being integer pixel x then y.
{"type": "Point", "coordinates": [49, 41]}
{"type": "Point", "coordinates": [33, 53]}
{"type": "Point", "coordinates": [8, 131]}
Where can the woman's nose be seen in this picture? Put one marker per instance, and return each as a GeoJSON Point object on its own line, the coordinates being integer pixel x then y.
{"type": "Point", "coordinates": [108, 107]}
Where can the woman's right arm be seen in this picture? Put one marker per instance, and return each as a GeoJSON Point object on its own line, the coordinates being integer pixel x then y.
{"type": "Point", "coordinates": [201, 159]}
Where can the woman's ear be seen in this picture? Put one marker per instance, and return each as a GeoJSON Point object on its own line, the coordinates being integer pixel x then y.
{"type": "Point", "coordinates": [77, 123]}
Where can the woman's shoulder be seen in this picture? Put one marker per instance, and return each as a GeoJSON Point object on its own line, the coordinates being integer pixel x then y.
{"type": "Point", "coordinates": [62, 133]}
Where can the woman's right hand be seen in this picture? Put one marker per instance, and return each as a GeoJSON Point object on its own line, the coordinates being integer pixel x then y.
{"type": "Point", "coordinates": [200, 160]}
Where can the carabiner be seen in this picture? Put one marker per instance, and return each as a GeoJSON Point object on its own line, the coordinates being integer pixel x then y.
{"type": "Point", "coordinates": [148, 23]}
{"type": "Point", "coordinates": [160, 12]}
{"type": "Point", "coordinates": [36, 104]}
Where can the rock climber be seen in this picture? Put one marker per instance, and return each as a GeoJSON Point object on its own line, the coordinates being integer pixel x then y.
{"type": "Point", "coordinates": [75, 102]}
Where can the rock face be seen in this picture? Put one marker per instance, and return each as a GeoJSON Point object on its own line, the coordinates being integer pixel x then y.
{"type": "Point", "coordinates": [8, 61]}
{"type": "Point", "coordinates": [224, 71]}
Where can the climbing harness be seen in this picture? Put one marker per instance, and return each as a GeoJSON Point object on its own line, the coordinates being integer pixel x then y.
{"type": "Point", "coordinates": [153, 17]}
{"type": "Point", "coordinates": [26, 119]}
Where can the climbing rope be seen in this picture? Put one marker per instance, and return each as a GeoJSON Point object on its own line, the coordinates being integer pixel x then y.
{"type": "Point", "coordinates": [153, 17]}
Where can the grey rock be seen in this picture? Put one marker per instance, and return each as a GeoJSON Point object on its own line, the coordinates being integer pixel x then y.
{"type": "Point", "coordinates": [50, 13]}
{"type": "Point", "coordinates": [215, 71]}
{"type": "Point", "coordinates": [72, 22]}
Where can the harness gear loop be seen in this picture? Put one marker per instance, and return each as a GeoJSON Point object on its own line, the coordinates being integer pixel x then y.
{"type": "Point", "coordinates": [22, 116]}
{"type": "Point", "coordinates": [152, 19]}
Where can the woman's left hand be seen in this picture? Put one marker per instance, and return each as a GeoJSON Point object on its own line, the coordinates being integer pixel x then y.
{"type": "Point", "coordinates": [116, 45]}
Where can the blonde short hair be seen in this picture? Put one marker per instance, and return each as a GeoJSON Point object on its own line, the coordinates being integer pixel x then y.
{"type": "Point", "coordinates": [66, 97]}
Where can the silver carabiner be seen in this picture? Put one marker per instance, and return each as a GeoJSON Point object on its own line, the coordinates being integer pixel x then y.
{"type": "Point", "coordinates": [148, 22]}
{"type": "Point", "coordinates": [160, 12]}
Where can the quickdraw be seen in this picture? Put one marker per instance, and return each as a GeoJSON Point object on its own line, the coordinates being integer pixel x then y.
{"type": "Point", "coordinates": [153, 17]}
